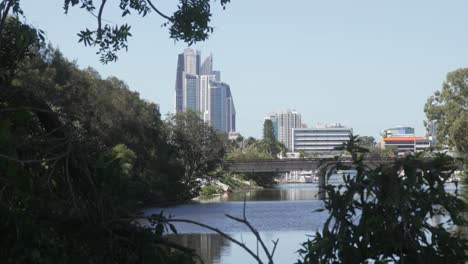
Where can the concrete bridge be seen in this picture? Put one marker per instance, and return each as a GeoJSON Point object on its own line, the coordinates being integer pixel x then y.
{"type": "Point", "coordinates": [287, 165]}
{"type": "Point", "coordinates": [322, 165]}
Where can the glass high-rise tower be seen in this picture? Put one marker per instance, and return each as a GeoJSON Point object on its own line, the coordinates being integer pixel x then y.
{"type": "Point", "coordinates": [199, 88]}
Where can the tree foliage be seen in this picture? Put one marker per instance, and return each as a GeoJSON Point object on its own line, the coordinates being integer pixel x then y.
{"type": "Point", "coordinates": [78, 156]}
{"type": "Point", "coordinates": [269, 139]}
{"type": "Point", "coordinates": [459, 134]}
{"type": "Point", "coordinates": [17, 42]}
{"type": "Point", "coordinates": [253, 149]}
{"type": "Point", "coordinates": [63, 197]}
{"type": "Point", "coordinates": [200, 149]}
{"type": "Point", "coordinates": [449, 108]}
{"type": "Point", "coordinates": [190, 22]}
{"type": "Point", "coordinates": [395, 213]}
{"type": "Point", "coordinates": [366, 141]}
{"type": "Point", "coordinates": [268, 130]}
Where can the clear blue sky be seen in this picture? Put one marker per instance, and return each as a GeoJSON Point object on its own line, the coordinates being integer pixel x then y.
{"type": "Point", "coordinates": [367, 64]}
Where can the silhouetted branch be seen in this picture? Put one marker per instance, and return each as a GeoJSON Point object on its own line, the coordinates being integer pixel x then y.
{"type": "Point", "coordinates": [4, 16]}
{"type": "Point", "coordinates": [180, 248]}
{"type": "Point", "coordinates": [33, 161]}
{"type": "Point", "coordinates": [99, 18]}
{"type": "Point", "coordinates": [228, 237]}
{"type": "Point", "coordinates": [256, 234]}
{"type": "Point", "coordinates": [157, 11]}
{"type": "Point", "coordinates": [244, 221]}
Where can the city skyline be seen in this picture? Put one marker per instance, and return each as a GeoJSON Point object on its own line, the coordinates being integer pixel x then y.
{"type": "Point", "coordinates": [341, 61]}
{"type": "Point", "coordinates": [199, 88]}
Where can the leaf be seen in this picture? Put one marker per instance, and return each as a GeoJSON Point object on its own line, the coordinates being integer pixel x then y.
{"type": "Point", "coordinates": [173, 229]}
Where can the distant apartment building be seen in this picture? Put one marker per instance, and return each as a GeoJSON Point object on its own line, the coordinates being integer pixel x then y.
{"type": "Point", "coordinates": [199, 88]}
{"type": "Point", "coordinates": [320, 139]}
{"type": "Point", "coordinates": [403, 139]}
{"type": "Point", "coordinates": [283, 123]}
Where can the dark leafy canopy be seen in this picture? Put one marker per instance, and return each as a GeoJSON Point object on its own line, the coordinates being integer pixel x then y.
{"type": "Point", "coordinates": [78, 155]}
{"type": "Point", "coordinates": [17, 41]}
{"type": "Point", "coordinates": [65, 198]}
{"type": "Point", "coordinates": [200, 149]}
{"type": "Point", "coordinates": [399, 213]}
{"type": "Point", "coordinates": [189, 23]}
{"type": "Point", "coordinates": [89, 152]}
{"type": "Point", "coordinates": [448, 108]}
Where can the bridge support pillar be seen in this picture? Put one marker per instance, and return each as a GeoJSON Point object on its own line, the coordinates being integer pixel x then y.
{"type": "Point", "coordinates": [322, 181]}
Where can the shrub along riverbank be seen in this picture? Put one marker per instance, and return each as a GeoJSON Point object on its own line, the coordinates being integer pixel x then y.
{"type": "Point", "coordinates": [228, 183]}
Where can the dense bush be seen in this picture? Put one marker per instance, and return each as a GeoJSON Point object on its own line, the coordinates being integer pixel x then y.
{"type": "Point", "coordinates": [389, 214]}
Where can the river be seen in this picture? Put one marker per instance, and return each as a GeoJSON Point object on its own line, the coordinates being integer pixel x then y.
{"type": "Point", "coordinates": [285, 212]}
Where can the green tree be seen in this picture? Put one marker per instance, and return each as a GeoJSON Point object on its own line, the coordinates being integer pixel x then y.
{"type": "Point", "coordinates": [250, 141]}
{"type": "Point", "coordinates": [199, 148]}
{"type": "Point", "coordinates": [18, 41]}
{"type": "Point", "coordinates": [366, 141]}
{"type": "Point", "coordinates": [269, 140]}
{"type": "Point", "coordinates": [125, 156]}
{"type": "Point", "coordinates": [459, 135]}
{"type": "Point", "coordinates": [61, 136]}
{"type": "Point", "coordinates": [448, 108]}
{"type": "Point", "coordinates": [268, 131]}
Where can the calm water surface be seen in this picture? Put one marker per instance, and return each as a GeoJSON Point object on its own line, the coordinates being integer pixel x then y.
{"type": "Point", "coordinates": [285, 212]}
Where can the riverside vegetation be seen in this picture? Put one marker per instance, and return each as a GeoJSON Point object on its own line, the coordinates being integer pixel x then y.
{"type": "Point", "coordinates": [79, 155]}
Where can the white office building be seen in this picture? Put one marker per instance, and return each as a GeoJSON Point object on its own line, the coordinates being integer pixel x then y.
{"type": "Point", "coordinates": [320, 139]}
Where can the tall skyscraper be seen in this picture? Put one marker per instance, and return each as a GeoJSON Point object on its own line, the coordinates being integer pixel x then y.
{"type": "Point", "coordinates": [191, 92]}
{"type": "Point", "coordinates": [188, 68]}
{"type": "Point", "coordinates": [179, 90]}
{"type": "Point", "coordinates": [205, 96]}
{"type": "Point", "coordinates": [230, 112]}
{"type": "Point", "coordinates": [222, 110]}
{"type": "Point", "coordinates": [283, 123]}
{"type": "Point", "coordinates": [199, 88]}
{"type": "Point", "coordinates": [207, 66]}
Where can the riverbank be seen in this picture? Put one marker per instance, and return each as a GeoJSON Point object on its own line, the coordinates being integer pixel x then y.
{"type": "Point", "coordinates": [227, 184]}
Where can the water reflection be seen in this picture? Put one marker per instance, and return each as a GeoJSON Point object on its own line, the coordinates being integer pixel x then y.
{"type": "Point", "coordinates": [285, 212]}
{"type": "Point", "coordinates": [208, 246]}
{"type": "Point", "coordinates": [214, 249]}
{"type": "Point", "coordinates": [284, 192]}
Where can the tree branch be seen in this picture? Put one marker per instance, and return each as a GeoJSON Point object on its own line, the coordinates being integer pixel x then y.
{"type": "Point", "coordinates": [228, 237]}
{"type": "Point", "coordinates": [3, 18]}
{"type": "Point", "coordinates": [157, 11]}
{"type": "Point", "coordinates": [99, 18]}
{"type": "Point", "coordinates": [256, 234]}
{"type": "Point", "coordinates": [32, 161]}
{"type": "Point", "coordinates": [179, 247]}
